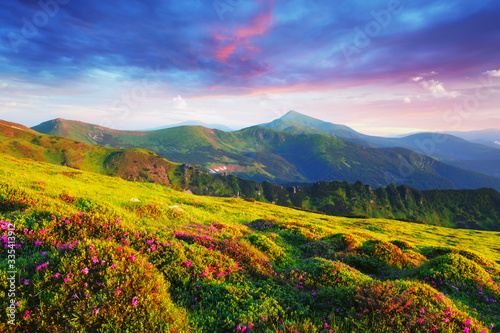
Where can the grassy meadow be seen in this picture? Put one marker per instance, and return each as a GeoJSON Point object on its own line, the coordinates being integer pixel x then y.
{"type": "Point", "coordinates": [94, 253]}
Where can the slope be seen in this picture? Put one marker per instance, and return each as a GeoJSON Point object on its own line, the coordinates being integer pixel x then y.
{"type": "Point", "coordinates": [131, 164]}
{"type": "Point", "coordinates": [175, 262]}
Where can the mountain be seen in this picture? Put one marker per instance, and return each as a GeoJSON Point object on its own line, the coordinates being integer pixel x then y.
{"type": "Point", "coordinates": [431, 144]}
{"type": "Point", "coordinates": [195, 123]}
{"type": "Point", "coordinates": [260, 153]}
{"type": "Point", "coordinates": [488, 137]}
{"type": "Point", "coordinates": [450, 149]}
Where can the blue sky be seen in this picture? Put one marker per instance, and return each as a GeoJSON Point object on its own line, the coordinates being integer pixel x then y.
{"type": "Point", "coordinates": [381, 67]}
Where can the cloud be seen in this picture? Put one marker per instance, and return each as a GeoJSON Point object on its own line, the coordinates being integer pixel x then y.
{"type": "Point", "coordinates": [495, 73]}
{"type": "Point", "coordinates": [179, 103]}
{"type": "Point", "coordinates": [261, 46]}
{"type": "Point", "coordinates": [435, 87]}
{"type": "Point", "coordinates": [3, 85]}
{"type": "Point", "coordinates": [407, 100]}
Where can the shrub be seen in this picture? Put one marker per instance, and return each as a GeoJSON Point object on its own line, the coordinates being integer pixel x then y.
{"type": "Point", "coordinates": [266, 245]}
{"type": "Point", "coordinates": [453, 267]}
{"type": "Point", "coordinates": [320, 273]}
{"type": "Point", "coordinates": [406, 306]}
{"type": "Point", "coordinates": [388, 253]}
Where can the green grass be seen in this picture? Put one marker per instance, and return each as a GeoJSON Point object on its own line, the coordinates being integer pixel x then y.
{"type": "Point", "coordinates": [174, 262]}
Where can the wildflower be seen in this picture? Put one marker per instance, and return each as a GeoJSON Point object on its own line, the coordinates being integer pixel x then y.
{"type": "Point", "coordinates": [422, 310]}
{"type": "Point", "coordinates": [56, 275]}
{"type": "Point", "coordinates": [132, 257]}
{"type": "Point", "coordinates": [420, 320]}
{"type": "Point", "coordinates": [95, 311]}
{"type": "Point", "coordinates": [43, 254]}
{"type": "Point", "coordinates": [26, 314]}
{"type": "Point", "coordinates": [66, 280]}
{"type": "Point", "coordinates": [85, 270]}
{"type": "Point", "coordinates": [326, 325]}
{"type": "Point", "coordinates": [264, 318]}
{"type": "Point", "coordinates": [446, 320]}
{"type": "Point", "coordinates": [466, 329]}
{"type": "Point", "coordinates": [26, 282]}
{"type": "Point", "coordinates": [118, 291]}
{"type": "Point", "coordinates": [135, 301]}
{"type": "Point", "coordinates": [467, 322]}
{"type": "Point", "coordinates": [38, 243]}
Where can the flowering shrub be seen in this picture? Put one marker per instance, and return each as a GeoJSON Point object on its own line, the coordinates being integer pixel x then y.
{"type": "Point", "coordinates": [94, 284]}
{"type": "Point", "coordinates": [319, 273]}
{"type": "Point", "coordinates": [410, 307]}
{"type": "Point", "coordinates": [390, 254]}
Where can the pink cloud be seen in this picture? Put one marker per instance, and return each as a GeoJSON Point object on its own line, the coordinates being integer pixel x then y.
{"type": "Point", "coordinates": [240, 39]}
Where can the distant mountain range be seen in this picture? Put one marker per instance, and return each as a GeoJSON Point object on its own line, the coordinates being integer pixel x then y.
{"type": "Point", "coordinates": [488, 137]}
{"type": "Point", "coordinates": [448, 148]}
{"type": "Point", "coordinates": [298, 149]}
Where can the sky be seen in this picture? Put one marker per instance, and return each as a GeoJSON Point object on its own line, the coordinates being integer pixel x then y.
{"type": "Point", "coordinates": [381, 67]}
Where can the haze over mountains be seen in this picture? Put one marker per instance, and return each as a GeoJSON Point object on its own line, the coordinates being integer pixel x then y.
{"type": "Point", "coordinates": [297, 148]}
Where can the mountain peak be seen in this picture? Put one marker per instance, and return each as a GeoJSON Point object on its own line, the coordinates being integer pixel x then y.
{"type": "Point", "coordinates": [292, 115]}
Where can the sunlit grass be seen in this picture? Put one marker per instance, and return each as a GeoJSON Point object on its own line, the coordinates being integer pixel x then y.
{"type": "Point", "coordinates": [209, 264]}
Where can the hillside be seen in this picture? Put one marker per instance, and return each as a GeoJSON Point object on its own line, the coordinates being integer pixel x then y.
{"type": "Point", "coordinates": [130, 164]}
{"type": "Point", "coordinates": [96, 253]}
{"type": "Point", "coordinates": [260, 153]}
